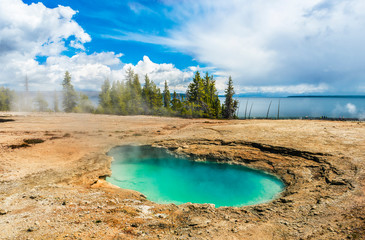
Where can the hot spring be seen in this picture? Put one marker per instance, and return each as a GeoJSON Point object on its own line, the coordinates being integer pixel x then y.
{"type": "Point", "coordinates": [164, 178]}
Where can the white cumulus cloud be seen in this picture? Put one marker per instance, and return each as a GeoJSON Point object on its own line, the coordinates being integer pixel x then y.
{"type": "Point", "coordinates": [177, 79]}
{"type": "Point", "coordinates": [273, 43]}
{"type": "Point", "coordinates": [37, 30]}
{"type": "Point", "coordinates": [88, 71]}
{"type": "Point", "coordinates": [276, 42]}
{"type": "Point", "coordinates": [29, 31]}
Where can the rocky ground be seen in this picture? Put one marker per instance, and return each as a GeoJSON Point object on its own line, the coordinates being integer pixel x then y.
{"type": "Point", "coordinates": [53, 166]}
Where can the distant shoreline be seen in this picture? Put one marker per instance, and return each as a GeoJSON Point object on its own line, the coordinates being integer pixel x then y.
{"type": "Point", "coordinates": [328, 96]}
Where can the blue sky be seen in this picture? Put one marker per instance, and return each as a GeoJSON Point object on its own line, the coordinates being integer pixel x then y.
{"type": "Point", "coordinates": [269, 47]}
{"type": "Point", "coordinates": [105, 20]}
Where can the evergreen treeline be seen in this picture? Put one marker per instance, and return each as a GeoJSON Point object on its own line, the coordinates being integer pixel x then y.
{"type": "Point", "coordinates": [202, 97]}
{"type": "Point", "coordinates": [130, 98]}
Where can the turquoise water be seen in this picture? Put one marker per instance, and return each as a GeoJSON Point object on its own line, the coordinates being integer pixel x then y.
{"type": "Point", "coordinates": [164, 178]}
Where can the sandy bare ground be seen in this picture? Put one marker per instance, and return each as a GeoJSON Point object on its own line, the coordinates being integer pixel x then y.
{"type": "Point", "coordinates": [55, 188]}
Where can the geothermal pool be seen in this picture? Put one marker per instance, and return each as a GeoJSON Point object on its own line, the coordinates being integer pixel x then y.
{"type": "Point", "coordinates": [164, 178]}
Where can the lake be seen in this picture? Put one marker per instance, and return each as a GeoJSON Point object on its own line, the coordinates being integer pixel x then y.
{"type": "Point", "coordinates": [303, 107]}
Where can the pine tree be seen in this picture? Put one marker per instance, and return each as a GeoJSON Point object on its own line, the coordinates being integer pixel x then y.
{"type": "Point", "coordinates": [137, 86]}
{"type": "Point", "coordinates": [147, 93]}
{"type": "Point", "coordinates": [166, 96]}
{"type": "Point", "coordinates": [217, 109]}
{"type": "Point", "coordinates": [136, 100]}
{"type": "Point", "coordinates": [117, 98]}
{"type": "Point", "coordinates": [104, 98]}
{"type": "Point", "coordinates": [195, 89]}
{"type": "Point", "coordinates": [176, 103]}
{"type": "Point", "coordinates": [211, 104]}
{"type": "Point", "coordinates": [156, 100]}
{"type": "Point", "coordinates": [211, 99]}
{"type": "Point", "coordinates": [195, 96]}
{"type": "Point", "coordinates": [69, 94]}
{"type": "Point", "coordinates": [230, 105]}
{"type": "Point", "coordinates": [133, 93]}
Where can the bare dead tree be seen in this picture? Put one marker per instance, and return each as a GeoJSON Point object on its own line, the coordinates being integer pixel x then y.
{"type": "Point", "coordinates": [268, 110]}
{"type": "Point", "coordinates": [249, 114]}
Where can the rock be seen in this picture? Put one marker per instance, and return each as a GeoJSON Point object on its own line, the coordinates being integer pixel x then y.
{"type": "Point", "coordinates": [158, 224]}
{"type": "Point", "coordinates": [3, 212]}
{"type": "Point", "coordinates": [284, 223]}
{"type": "Point", "coordinates": [285, 200]}
{"type": "Point", "coordinates": [198, 222]}
{"type": "Point", "coordinates": [208, 206]}
{"type": "Point", "coordinates": [258, 209]}
{"type": "Point", "coordinates": [31, 229]}
{"type": "Point", "coordinates": [338, 182]}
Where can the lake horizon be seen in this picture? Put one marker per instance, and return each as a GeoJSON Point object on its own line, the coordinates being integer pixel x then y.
{"type": "Point", "coordinates": [301, 107]}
